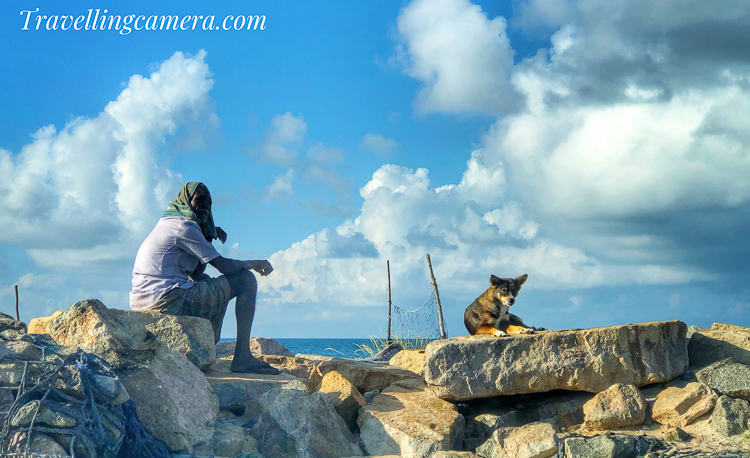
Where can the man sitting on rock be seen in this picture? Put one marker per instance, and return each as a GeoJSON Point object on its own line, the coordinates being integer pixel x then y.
{"type": "Point", "coordinates": [168, 273]}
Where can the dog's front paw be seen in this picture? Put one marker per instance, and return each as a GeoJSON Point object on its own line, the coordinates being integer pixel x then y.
{"type": "Point", "coordinates": [527, 331]}
{"type": "Point", "coordinates": [499, 333]}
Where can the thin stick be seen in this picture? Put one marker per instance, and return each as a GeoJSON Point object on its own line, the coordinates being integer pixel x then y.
{"type": "Point", "coordinates": [437, 299]}
{"type": "Point", "coordinates": [18, 318]}
{"type": "Point", "coordinates": [388, 265]}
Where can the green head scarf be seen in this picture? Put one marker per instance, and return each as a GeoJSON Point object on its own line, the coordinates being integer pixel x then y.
{"type": "Point", "coordinates": [181, 207]}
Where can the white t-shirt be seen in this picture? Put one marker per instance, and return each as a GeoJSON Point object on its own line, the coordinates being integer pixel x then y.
{"type": "Point", "coordinates": [165, 259]}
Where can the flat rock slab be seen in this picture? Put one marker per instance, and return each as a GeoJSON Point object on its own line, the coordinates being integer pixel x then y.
{"type": "Point", "coordinates": [591, 360]}
{"type": "Point", "coordinates": [367, 376]}
{"type": "Point", "coordinates": [240, 392]}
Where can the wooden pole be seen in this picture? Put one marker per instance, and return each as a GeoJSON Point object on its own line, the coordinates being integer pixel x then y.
{"type": "Point", "coordinates": [388, 265]}
{"type": "Point", "coordinates": [18, 318]}
{"type": "Point", "coordinates": [437, 299]}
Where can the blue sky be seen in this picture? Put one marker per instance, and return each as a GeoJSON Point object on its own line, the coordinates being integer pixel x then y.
{"type": "Point", "coordinates": [597, 146]}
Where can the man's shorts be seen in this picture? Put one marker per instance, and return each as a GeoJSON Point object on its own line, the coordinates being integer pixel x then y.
{"type": "Point", "coordinates": [207, 298]}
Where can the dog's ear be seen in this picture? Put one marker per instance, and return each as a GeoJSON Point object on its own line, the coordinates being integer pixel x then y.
{"type": "Point", "coordinates": [494, 281]}
{"type": "Point", "coordinates": [522, 279]}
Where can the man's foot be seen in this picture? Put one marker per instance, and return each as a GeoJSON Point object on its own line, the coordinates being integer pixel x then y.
{"type": "Point", "coordinates": [253, 365]}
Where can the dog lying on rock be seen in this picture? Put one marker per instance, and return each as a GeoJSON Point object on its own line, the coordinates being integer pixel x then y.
{"type": "Point", "coordinates": [488, 314]}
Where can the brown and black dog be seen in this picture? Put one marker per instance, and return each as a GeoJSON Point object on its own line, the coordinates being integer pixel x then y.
{"type": "Point", "coordinates": [488, 314]}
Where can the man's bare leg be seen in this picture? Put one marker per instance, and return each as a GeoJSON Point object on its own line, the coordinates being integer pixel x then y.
{"type": "Point", "coordinates": [244, 287]}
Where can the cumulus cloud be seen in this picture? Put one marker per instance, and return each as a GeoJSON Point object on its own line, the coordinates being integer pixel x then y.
{"type": "Point", "coordinates": [281, 187]}
{"type": "Point", "coordinates": [282, 141]}
{"type": "Point", "coordinates": [462, 57]}
{"type": "Point", "coordinates": [378, 144]}
{"type": "Point", "coordinates": [403, 217]}
{"type": "Point", "coordinates": [84, 195]}
{"type": "Point", "coordinates": [631, 129]}
{"type": "Point", "coordinates": [99, 181]}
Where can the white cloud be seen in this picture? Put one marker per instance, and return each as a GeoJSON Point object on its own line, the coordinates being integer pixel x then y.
{"type": "Point", "coordinates": [92, 189]}
{"type": "Point", "coordinates": [470, 229]}
{"type": "Point", "coordinates": [281, 186]}
{"type": "Point", "coordinates": [282, 140]}
{"type": "Point", "coordinates": [462, 57]}
{"type": "Point", "coordinates": [378, 144]}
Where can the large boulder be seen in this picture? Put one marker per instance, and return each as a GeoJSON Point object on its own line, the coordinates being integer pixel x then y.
{"type": "Point", "coordinates": [191, 336]}
{"type": "Point", "coordinates": [295, 423]}
{"type": "Point", "coordinates": [366, 376]}
{"type": "Point", "coordinates": [345, 397]}
{"type": "Point", "coordinates": [720, 342]}
{"type": "Point", "coordinates": [730, 416]}
{"type": "Point", "coordinates": [40, 325]}
{"type": "Point", "coordinates": [617, 406]}
{"type": "Point", "coordinates": [464, 368]}
{"type": "Point", "coordinates": [118, 338]}
{"type": "Point", "coordinates": [676, 406]}
{"type": "Point", "coordinates": [10, 328]}
{"type": "Point", "coordinates": [174, 401]}
{"type": "Point", "coordinates": [728, 376]}
{"type": "Point", "coordinates": [409, 423]}
{"type": "Point", "coordinates": [535, 440]}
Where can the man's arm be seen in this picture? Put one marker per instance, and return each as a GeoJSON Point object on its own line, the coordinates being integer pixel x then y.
{"type": "Point", "coordinates": [231, 266]}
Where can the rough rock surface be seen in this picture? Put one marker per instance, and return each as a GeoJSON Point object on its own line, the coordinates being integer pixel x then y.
{"type": "Point", "coordinates": [411, 360]}
{"type": "Point", "coordinates": [535, 440]}
{"type": "Point", "coordinates": [258, 345]}
{"type": "Point", "coordinates": [174, 401]}
{"type": "Point", "coordinates": [345, 397]}
{"type": "Point", "coordinates": [191, 336]}
{"type": "Point", "coordinates": [617, 406]}
{"type": "Point", "coordinates": [608, 446]}
{"type": "Point", "coordinates": [240, 393]}
{"type": "Point", "coordinates": [728, 376]}
{"type": "Point", "coordinates": [40, 325]}
{"type": "Point", "coordinates": [229, 439]}
{"type": "Point", "coordinates": [366, 376]}
{"type": "Point", "coordinates": [117, 337]}
{"type": "Point", "coordinates": [718, 343]}
{"type": "Point", "coordinates": [592, 360]}
{"type": "Point", "coordinates": [681, 406]}
{"type": "Point", "coordinates": [295, 423]}
{"type": "Point", "coordinates": [409, 423]}
{"type": "Point", "coordinates": [730, 416]}
{"type": "Point", "coordinates": [297, 367]}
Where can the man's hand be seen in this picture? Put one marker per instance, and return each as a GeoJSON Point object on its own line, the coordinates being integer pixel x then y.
{"type": "Point", "coordinates": [221, 235]}
{"type": "Point", "coordinates": [263, 267]}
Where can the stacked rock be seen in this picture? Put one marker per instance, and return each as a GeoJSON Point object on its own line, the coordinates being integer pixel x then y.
{"type": "Point", "coordinates": [58, 400]}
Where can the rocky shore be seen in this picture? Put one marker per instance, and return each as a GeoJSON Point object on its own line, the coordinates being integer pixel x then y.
{"type": "Point", "coordinates": [645, 390]}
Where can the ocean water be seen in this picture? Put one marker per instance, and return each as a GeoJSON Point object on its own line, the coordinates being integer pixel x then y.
{"type": "Point", "coordinates": [341, 348]}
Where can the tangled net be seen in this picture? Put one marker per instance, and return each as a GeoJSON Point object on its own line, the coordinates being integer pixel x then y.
{"type": "Point", "coordinates": [64, 384]}
{"type": "Point", "coordinates": [416, 328]}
